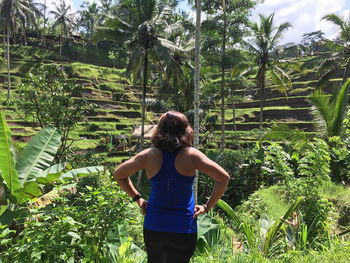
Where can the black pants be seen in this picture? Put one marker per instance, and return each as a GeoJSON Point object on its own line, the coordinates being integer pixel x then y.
{"type": "Point", "coordinates": [164, 247]}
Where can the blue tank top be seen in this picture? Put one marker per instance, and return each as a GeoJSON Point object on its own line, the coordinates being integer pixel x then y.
{"type": "Point", "coordinates": [171, 202]}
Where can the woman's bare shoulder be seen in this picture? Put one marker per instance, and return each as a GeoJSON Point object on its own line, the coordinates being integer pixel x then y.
{"type": "Point", "coordinates": [193, 153]}
{"type": "Point", "coordinates": [152, 153]}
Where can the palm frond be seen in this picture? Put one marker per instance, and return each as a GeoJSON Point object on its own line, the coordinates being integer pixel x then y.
{"type": "Point", "coordinates": [340, 109]}
{"type": "Point", "coordinates": [337, 20]}
{"type": "Point", "coordinates": [279, 33]}
{"type": "Point", "coordinates": [164, 15]}
{"type": "Point", "coordinates": [278, 80]}
{"type": "Point", "coordinates": [240, 70]}
{"type": "Point", "coordinates": [282, 132]}
{"type": "Point", "coordinates": [323, 109]}
{"type": "Point", "coordinates": [174, 29]}
{"type": "Point", "coordinates": [286, 79]}
{"type": "Point", "coordinates": [170, 45]}
{"type": "Point", "coordinates": [324, 78]}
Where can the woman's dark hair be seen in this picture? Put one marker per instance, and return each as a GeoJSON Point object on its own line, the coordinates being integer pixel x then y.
{"type": "Point", "coordinates": [173, 132]}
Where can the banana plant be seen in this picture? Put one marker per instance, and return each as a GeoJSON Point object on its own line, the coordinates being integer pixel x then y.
{"type": "Point", "coordinates": [209, 233]}
{"type": "Point", "coordinates": [21, 180]}
{"type": "Point", "coordinates": [262, 245]}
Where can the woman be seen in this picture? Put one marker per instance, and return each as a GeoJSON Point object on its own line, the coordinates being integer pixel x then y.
{"type": "Point", "coordinates": [170, 225]}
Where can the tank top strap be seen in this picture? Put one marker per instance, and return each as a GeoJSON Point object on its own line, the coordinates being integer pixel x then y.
{"type": "Point", "coordinates": [168, 159]}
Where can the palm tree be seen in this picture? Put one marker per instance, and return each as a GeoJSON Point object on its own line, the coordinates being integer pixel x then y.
{"type": "Point", "coordinates": [330, 111]}
{"type": "Point", "coordinates": [239, 78]}
{"type": "Point", "coordinates": [30, 17]}
{"type": "Point", "coordinates": [63, 19]}
{"type": "Point", "coordinates": [263, 46]}
{"type": "Point", "coordinates": [11, 12]}
{"type": "Point", "coordinates": [225, 26]}
{"type": "Point", "coordinates": [89, 17]}
{"type": "Point", "coordinates": [105, 10]}
{"type": "Point", "coordinates": [45, 22]}
{"type": "Point", "coordinates": [335, 60]}
{"type": "Point", "coordinates": [140, 23]}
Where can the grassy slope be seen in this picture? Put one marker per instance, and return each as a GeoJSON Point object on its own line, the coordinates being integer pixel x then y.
{"type": "Point", "coordinates": [111, 90]}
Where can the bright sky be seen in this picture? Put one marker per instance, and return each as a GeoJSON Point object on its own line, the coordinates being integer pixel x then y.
{"type": "Point", "coordinates": [304, 15]}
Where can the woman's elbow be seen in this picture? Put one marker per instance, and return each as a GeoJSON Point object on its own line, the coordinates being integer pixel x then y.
{"type": "Point", "coordinates": [226, 178]}
{"type": "Point", "coordinates": [116, 176]}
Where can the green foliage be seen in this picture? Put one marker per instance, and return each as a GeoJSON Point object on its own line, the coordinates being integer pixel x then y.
{"type": "Point", "coordinates": [264, 46]}
{"type": "Point", "coordinates": [9, 174]}
{"type": "Point", "coordinates": [23, 182]}
{"type": "Point", "coordinates": [83, 227]}
{"type": "Point", "coordinates": [330, 62]}
{"type": "Point", "coordinates": [313, 169]}
{"type": "Point", "coordinates": [259, 240]}
{"type": "Point", "coordinates": [209, 233]}
{"type": "Point", "coordinates": [340, 159]}
{"type": "Point", "coordinates": [48, 98]}
{"type": "Point", "coordinates": [304, 175]}
{"type": "Point", "coordinates": [330, 112]}
{"type": "Point", "coordinates": [244, 167]}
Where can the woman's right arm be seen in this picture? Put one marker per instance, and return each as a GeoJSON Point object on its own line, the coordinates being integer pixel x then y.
{"type": "Point", "coordinates": [125, 170]}
{"type": "Point", "coordinates": [215, 172]}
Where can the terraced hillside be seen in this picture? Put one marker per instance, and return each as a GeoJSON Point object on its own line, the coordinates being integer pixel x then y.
{"type": "Point", "coordinates": [293, 110]}
{"type": "Point", "coordinates": [118, 107]}
{"type": "Point", "coordinates": [117, 104]}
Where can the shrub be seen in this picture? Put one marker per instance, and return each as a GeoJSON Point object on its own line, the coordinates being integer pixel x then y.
{"type": "Point", "coordinates": [83, 227]}
{"type": "Point", "coordinates": [47, 97]}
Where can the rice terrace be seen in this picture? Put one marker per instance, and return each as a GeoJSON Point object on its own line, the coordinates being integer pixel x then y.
{"type": "Point", "coordinates": [263, 84]}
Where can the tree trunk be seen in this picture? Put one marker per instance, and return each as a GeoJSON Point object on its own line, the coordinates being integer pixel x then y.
{"type": "Point", "coordinates": [262, 100]}
{"type": "Point", "coordinates": [25, 37]}
{"type": "Point", "coordinates": [143, 106]}
{"type": "Point", "coordinates": [8, 63]}
{"type": "Point", "coordinates": [196, 90]}
{"type": "Point", "coordinates": [346, 73]}
{"type": "Point", "coordinates": [44, 36]}
{"type": "Point", "coordinates": [233, 110]}
{"type": "Point", "coordinates": [61, 41]}
{"type": "Point", "coordinates": [4, 43]}
{"type": "Point", "coordinates": [222, 144]}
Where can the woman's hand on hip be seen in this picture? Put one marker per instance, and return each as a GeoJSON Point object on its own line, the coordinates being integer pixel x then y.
{"type": "Point", "coordinates": [199, 209]}
{"type": "Point", "coordinates": [143, 204]}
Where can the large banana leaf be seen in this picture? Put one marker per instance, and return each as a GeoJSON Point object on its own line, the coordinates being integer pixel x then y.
{"type": "Point", "coordinates": [29, 191]}
{"type": "Point", "coordinates": [7, 217]}
{"type": "Point", "coordinates": [271, 234]}
{"type": "Point", "coordinates": [2, 209]}
{"type": "Point", "coordinates": [51, 174]}
{"type": "Point", "coordinates": [38, 154]}
{"type": "Point", "coordinates": [81, 172]}
{"type": "Point", "coordinates": [206, 224]}
{"type": "Point", "coordinates": [7, 163]}
{"type": "Point", "coordinates": [208, 232]}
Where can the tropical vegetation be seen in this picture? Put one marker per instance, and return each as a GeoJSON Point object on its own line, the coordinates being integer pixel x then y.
{"type": "Point", "coordinates": [80, 93]}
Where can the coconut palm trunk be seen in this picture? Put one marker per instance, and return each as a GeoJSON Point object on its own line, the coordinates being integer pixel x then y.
{"type": "Point", "coordinates": [262, 100]}
{"type": "Point", "coordinates": [61, 43]}
{"type": "Point", "coordinates": [25, 37]}
{"type": "Point", "coordinates": [44, 36]}
{"type": "Point", "coordinates": [4, 42]}
{"type": "Point", "coordinates": [346, 73]}
{"type": "Point", "coordinates": [143, 107]}
{"type": "Point", "coordinates": [196, 90]}
{"type": "Point", "coordinates": [233, 110]}
{"type": "Point", "coordinates": [222, 144]}
{"type": "Point", "coordinates": [8, 63]}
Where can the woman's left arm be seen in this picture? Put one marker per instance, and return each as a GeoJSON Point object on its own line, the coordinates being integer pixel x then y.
{"type": "Point", "coordinates": [125, 170]}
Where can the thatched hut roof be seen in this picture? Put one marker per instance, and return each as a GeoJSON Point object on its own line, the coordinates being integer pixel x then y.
{"type": "Point", "coordinates": [149, 129]}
